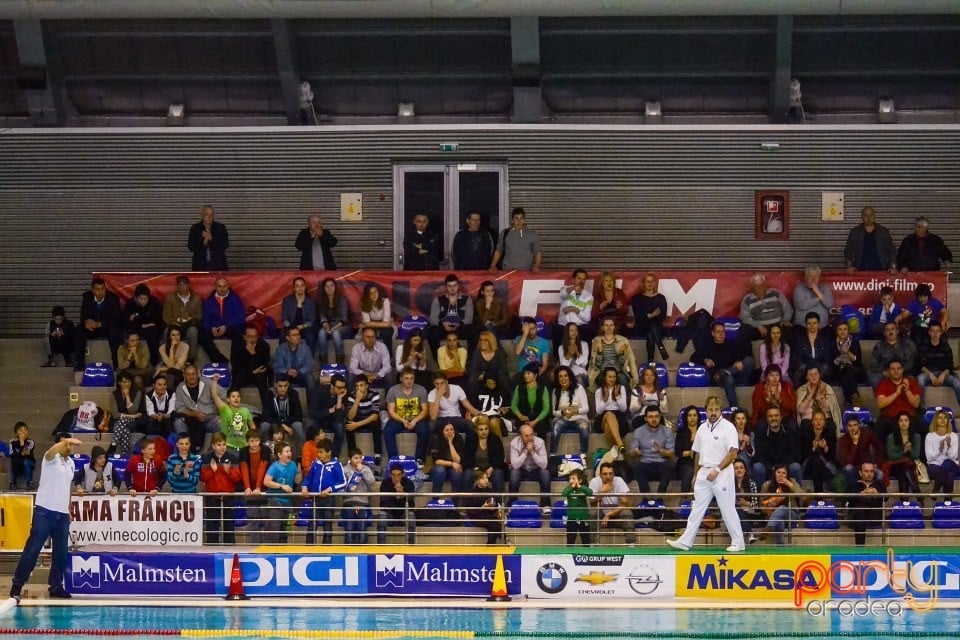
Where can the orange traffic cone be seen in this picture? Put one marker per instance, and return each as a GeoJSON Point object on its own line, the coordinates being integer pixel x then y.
{"type": "Point", "coordinates": [235, 591]}
{"type": "Point", "coordinates": [499, 591]}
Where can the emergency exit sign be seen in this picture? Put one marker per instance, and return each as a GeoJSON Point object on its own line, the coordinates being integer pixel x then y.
{"type": "Point", "coordinates": [449, 147]}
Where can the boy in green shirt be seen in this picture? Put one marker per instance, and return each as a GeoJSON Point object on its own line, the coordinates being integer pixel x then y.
{"type": "Point", "coordinates": [234, 419]}
{"type": "Point", "coordinates": [578, 514]}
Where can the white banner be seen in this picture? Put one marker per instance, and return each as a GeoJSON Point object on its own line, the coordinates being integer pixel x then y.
{"type": "Point", "coordinates": [164, 520]}
{"type": "Point", "coordinates": [598, 576]}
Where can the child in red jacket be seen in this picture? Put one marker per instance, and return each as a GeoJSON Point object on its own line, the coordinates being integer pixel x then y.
{"type": "Point", "coordinates": [220, 473]}
{"type": "Point", "coordinates": [145, 473]}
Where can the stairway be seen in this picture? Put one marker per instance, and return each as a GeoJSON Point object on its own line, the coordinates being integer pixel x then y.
{"type": "Point", "coordinates": [31, 393]}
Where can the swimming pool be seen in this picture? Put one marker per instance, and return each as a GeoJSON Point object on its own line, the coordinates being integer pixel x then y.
{"type": "Point", "coordinates": [323, 619]}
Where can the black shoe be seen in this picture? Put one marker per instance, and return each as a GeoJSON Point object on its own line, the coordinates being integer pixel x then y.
{"type": "Point", "coordinates": [663, 351]}
{"type": "Point", "coordinates": [60, 593]}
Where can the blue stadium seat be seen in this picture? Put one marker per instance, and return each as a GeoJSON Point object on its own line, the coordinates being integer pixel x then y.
{"type": "Point", "coordinates": [573, 459]}
{"type": "Point", "coordinates": [371, 462]}
{"type": "Point", "coordinates": [662, 379]}
{"type": "Point", "coordinates": [524, 514]}
{"type": "Point", "coordinates": [932, 411]}
{"type": "Point", "coordinates": [906, 514]}
{"type": "Point", "coordinates": [727, 412]}
{"type": "Point", "coordinates": [649, 508]}
{"type": "Point", "coordinates": [217, 367]}
{"type": "Point", "coordinates": [239, 513]}
{"type": "Point", "coordinates": [409, 323]}
{"type": "Point", "coordinates": [97, 374]}
{"type": "Point", "coordinates": [860, 413]}
{"type": "Point", "coordinates": [558, 517]}
{"type": "Point", "coordinates": [822, 514]}
{"type": "Point", "coordinates": [685, 507]}
{"type": "Point", "coordinates": [119, 462]}
{"type": "Point", "coordinates": [946, 515]}
{"type": "Point", "coordinates": [328, 370]}
{"type": "Point", "coordinates": [692, 375]}
{"type": "Point", "coordinates": [80, 460]}
{"type": "Point", "coordinates": [731, 327]}
{"type": "Point", "coordinates": [304, 513]}
{"type": "Point", "coordinates": [409, 464]}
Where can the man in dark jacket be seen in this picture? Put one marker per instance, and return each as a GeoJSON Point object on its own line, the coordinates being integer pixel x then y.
{"type": "Point", "coordinates": [208, 241]}
{"type": "Point", "coordinates": [99, 318]}
{"type": "Point", "coordinates": [422, 246]}
{"type": "Point", "coordinates": [315, 245]}
{"type": "Point", "coordinates": [922, 250]}
{"type": "Point", "coordinates": [727, 361]}
{"type": "Point", "coordinates": [869, 245]}
{"type": "Point", "coordinates": [775, 445]}
{"type": "Point", "coordinates": [396, 504]}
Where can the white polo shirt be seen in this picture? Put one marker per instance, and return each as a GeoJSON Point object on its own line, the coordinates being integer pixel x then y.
{"type": "Point", "coordinates": [714, 441]}
{"type": "Point", "coordinates": [448, 406]}
{"type": "Point", "coordinates": [56, 479]}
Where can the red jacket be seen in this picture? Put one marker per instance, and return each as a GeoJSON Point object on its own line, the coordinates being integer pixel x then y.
{"type": "Point", "coordinates": [145, 477]}
{"type": "Point", "coordinates": [221, 480]}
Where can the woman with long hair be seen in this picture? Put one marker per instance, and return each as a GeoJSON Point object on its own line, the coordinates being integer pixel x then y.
{"type": "Point", "coordinates": [333, 318]}
{"type": "Point", "coordinates": [570, 409]}
{"type": "Point", "coordinates": [131, 410]}
{"type": "Point", "coordinates": [687, 427]}
{"type": "Point", "coordinates": [173, 356]}
{"type": "Point", "coordinates": [611, 400]}
{"type": "Point", "coordinates": [490, 455]}
{"type": "Point", "coordinates": [490, 312]}
{"type": "Point", "coordinates": [942, 446]}
{"type": "Point", "coordinates": [375, 314]}
{"type": "Point", "coordinates": [903, 450]}
{"type": "Point", "coordinates": [415, 353]}
{"type": "Point", "coordinates": [574, 352]}
{"type": "Point", "coordinates": [610, 299]}
{"type": "Point", "coordinates": [648, 393]}
{"type": "Point", "coordinates": [488, 360]}
{"type": "Point", "coordinates": [773, 350]}
{"type": "Point", "coordinates": [649, 312]}
{"type": "Point", "coordinates": [748, 505]}
{"type": "Point", "coordinates": [299, 310]}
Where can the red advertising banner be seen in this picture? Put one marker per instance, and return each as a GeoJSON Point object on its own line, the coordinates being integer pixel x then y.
{"type": "Point", "coordinates": [531, 294]}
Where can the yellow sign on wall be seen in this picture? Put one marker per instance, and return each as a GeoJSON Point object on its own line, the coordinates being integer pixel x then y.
{"type": "Point", "coordinates": [749, 577]}
{"type": "Point", "coordinates": [16, 513]}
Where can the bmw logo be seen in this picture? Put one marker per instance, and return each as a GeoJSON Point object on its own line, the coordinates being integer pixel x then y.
{"type": "Point", "coordinates": [552, 578]}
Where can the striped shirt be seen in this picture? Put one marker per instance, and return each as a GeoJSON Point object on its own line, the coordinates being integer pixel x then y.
{"type": "Point", "coordinates": [186, 480]}
{"type": "Point", "coordinates": [367, 407]}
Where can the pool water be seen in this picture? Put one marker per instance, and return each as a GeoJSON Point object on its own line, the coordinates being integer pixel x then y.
{"type": "Point", "coordinates": [326, 621]}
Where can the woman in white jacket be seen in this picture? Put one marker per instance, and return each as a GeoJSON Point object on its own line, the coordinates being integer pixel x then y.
{"type": "Point", "coordinates": [941, 447]}
{"type": "Point", "coordinates": [98, 475]}
{"type": "Point", "coordinates": [571, 411]}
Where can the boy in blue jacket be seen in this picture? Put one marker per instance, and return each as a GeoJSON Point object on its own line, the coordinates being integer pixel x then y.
{"type": "Point", "coordinates": [324, 478]}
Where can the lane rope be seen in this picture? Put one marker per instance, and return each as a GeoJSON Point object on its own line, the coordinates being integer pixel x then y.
{"type": "Point", "coordinates": [450, 634]}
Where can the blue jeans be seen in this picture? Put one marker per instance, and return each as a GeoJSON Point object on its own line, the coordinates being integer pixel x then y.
{"type": "Point", "coordinates": [439, 474]}
{"type": "Point", "coordinates": [27, 472]}
{"type": "Point", "coordinates": [323, 340]}
{"type": "Point", "coordinates": [394, 427]}
{"type": "Point", "coordinates": [575, 426]}
{"type": "Point", "coordinates": [951, 381]}
{"type": "Point", "coordinates": [323, 512]}
{"type": "Point", "coordinates": [780, 521]}
{"type": "Point", "coordinates": [356, 519]}
{"type": "Point", "coordinates": [46, 524]}
{"type": "Point", "coordinates": [729, 379]}
{"type": "Point", "coordinates": [540, 475]}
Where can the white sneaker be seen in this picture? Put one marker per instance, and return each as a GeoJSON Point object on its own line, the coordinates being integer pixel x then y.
{"type": "Point", "coordinates": [546, 510]}
{"type": "Point", "coordinates": [751, 539]}
{"type": "Point", "coordinates": [676, 544]}
{"type": "Point", "coordinates": [735, 548]}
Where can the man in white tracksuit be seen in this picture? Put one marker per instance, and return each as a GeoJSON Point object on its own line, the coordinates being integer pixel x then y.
{"type": "Point", "coordinates": [716, 445]}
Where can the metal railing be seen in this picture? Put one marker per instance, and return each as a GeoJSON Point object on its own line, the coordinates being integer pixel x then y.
{"type": "Point", "coordinates": [485, 518]}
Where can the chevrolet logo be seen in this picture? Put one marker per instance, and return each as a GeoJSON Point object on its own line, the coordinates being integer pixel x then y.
{"type": "Point", "coordinates": [596, 578]}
